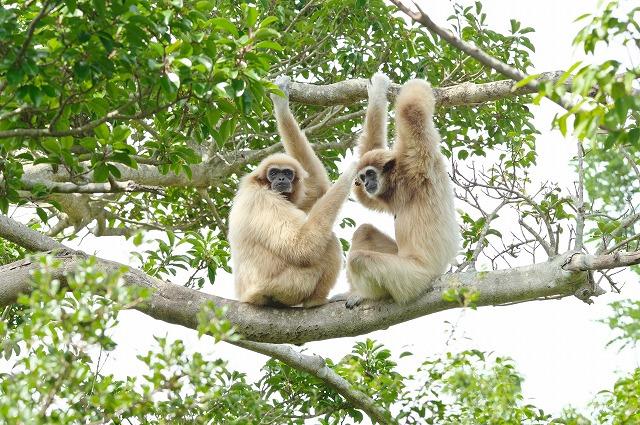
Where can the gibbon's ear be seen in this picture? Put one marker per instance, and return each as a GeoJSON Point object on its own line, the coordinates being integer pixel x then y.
{"type": "Point", "coordinates": [390, 165]}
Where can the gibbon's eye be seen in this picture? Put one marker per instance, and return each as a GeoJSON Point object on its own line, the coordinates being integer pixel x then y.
{"type": "Point", "coordinates": [273, 172]}
{"type": "Point", "coordinates": [370, 173]}
{"type": "Point", "coordinates": [288, 173]}
{"type": "Point", "coordinates": [361, 177]}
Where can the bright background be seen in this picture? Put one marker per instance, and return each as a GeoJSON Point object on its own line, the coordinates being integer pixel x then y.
{"type": "Point", "coordinates": [559, 346]}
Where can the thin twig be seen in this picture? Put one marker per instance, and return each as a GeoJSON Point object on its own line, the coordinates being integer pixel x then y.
{"type": "Point", "coordinates": [481, 56]}
{"type": "Point", "coordinates": [580, 200]}
{"type": "Point", "coordinates": [622, 243]}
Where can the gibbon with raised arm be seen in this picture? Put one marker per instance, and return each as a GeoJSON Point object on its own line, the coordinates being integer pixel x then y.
{"type": "Point", "coordinates": [280, 226]}
{"type": "Point", "coordinates": [411, 182]}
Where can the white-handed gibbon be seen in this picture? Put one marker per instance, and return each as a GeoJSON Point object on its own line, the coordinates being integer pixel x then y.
{"type": "Point", "coordinates": [411, 182]}
{"type": "Point", "coordinates": [280, 226]}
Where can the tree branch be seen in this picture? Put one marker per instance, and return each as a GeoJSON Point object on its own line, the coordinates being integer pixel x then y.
{"type": "Point", "coordinates": [624, 224]}
{"type": "Point", "coordinates": [43, 132]}
{"type": "Point", "coordinates": [20, 234]}
{"type": "Point", "coordinates": [480, 55]}
{"type": "Point", "coordinates": [580, 200]}
{"type": "Point", "coordinates": [316, 366]}
{"type": "Point", "coordinates": [179, 305]}
{"type": "Point", "coordinates": [351, 91]}
{"type": "Point", "coordinates": [584, 262]}
{"type": "Point", "coordinates": [113, 187]}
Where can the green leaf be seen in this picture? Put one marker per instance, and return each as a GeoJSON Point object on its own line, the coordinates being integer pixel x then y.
{"type": "Point", "coordinates": [267, 44]}
{"type": "Point", "coordinates": [42, 214]}
{"type": "Point", "coordinates": [525, 81]}
{"type": "Point", "coordinates": [102, 131]}
{"type": "Point", "coordinates": [226, 25]}
{"type": "Point", "coordinates": [268, 21]}
{"type": "Point", "coordinates": [51, 145]}
{"type": "Point", "coordinates": [204, 6]}
{"type": "Point", "coordinates": [101, 172]}
{"type": "Point", "coordinates": [266, 33]}
{"type": "Point", "coordinates": [633, 137]}
{"type": "Point", "coordinates": [252, 16]}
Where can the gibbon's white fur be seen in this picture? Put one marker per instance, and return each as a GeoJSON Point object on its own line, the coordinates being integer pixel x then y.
{"type": "Point", "coordinates": [409, 181]}
{"type": "Point", "coordinates": [282, 244]}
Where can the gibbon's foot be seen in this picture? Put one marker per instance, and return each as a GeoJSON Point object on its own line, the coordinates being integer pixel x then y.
{"type": "Point", "coordinates": [314, 302]}
{"type": "Point", "coordinates": [274, 303]}
{"type": "Point", "coordinates": [353, 300]}
{"type": "Point", "coordinates": [339, 297]}
{"type": "Point", "coordinates": [378, 85]}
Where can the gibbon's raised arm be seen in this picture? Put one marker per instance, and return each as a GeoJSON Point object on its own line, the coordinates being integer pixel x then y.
{"type": "Point", "coordinates": [374, 131]}
{"type": "Point", "coordinates": [417, 138]}
{"type": "Point", "coordinates": [297, 145]}
{"type": "Point", "coordinates": [300, 241]}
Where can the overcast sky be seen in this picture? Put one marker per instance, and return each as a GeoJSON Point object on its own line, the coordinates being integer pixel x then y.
{"type": "Point", "coordinates": [557, 345]}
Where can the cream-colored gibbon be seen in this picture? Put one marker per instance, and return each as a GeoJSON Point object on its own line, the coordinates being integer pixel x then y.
{"type": "Point", "coordinates": [280, 226]}
{"type": "Point", "coordinates": [411, 182]}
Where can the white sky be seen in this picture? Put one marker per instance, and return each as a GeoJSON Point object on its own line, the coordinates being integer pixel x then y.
{"type": "Point", "coordinates": [557, 345]}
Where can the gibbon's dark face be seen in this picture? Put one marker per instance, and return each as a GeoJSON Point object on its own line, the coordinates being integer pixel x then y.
{"type": "Point", "coordinates": [369, 178]}
{"type": "Point", "coordinates": [281, 179]}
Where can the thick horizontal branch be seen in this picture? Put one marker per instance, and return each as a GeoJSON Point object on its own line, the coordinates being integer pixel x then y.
{"type": "Point", "coordinates": [351, 91]}
{"type": "Point", "coordinates": [179, 305]}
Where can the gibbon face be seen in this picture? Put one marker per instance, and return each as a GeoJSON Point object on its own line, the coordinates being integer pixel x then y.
{"type": "Point", "coordinates": [281, 178]}
{"type": "Point", "coordinates": [374, 171]}
{"type": "Point", "coordinates": [282, 174]}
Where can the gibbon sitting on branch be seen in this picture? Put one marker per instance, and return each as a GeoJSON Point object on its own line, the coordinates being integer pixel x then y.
{"type": "Point", "coordinates": [280, 226]}
{"type": "Point", "coordinates": [411, 182]}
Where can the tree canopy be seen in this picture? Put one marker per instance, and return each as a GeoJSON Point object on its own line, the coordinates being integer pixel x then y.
{"type": "Point", "coordinates": [136, 118]}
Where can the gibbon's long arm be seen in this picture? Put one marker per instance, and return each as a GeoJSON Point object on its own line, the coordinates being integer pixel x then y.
{"type": "Point", "coordinates": [374, 131]}
{"type": "Point", "coordinates": [417, 138]}
{"type": "Point", "coordinates": [300, 242]}
{"type": "Point", "coordinates": [297, 145]}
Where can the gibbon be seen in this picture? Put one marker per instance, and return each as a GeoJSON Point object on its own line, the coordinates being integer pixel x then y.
{"type": "Point", "coordinates": [411, 182]}
{"type": "Point", "coordinates": [280, 224]}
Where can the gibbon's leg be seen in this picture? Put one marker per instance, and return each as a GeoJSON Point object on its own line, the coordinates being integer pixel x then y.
{"type": "Point", "coordinates": [333, 264]}
{"type": "Point", "coordinates": [417, 138]}
{"type": "Point", "coordinates": [296, 144]}
{"type": "Point", "coordinates": [374, 132]}
{"type": "Point", "coordinates": [404, 278]}
{"type": "Point", "coordinates": [366, 237]}
{"type": "Point", "coordinates": [255, 297]}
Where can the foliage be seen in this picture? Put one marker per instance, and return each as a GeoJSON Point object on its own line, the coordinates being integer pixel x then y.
{"type": "Point", "coordinates": [606, 98]}
{"type": "Point", "coordinates": [172, 95]}
{"type": "Point", "coordinates": [470, 388]}
{"type": "Point", "coordinates": [147, 113]}
{"type": "Point", "coordinates": [10, 252]}
{"type": "Point", "coordinates": [626, 321]}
